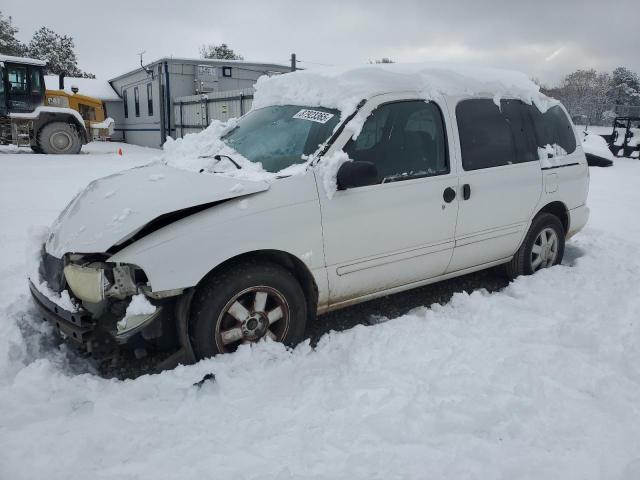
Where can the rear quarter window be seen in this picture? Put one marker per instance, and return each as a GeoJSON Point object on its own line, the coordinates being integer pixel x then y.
{"type": "Point", "coordinates": [492, 136]}
{"type": "Point", "coordinates": [553, 128]}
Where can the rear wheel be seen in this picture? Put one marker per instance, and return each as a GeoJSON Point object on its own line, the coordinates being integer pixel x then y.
{"type": "Point", "coordinates": [543, 247]}
{"type": "Point", "coordinates": [244, 304]}
{"type": "Point", "coordinates": [59, 138]}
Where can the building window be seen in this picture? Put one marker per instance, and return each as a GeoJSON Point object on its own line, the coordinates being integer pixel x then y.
{"type": "Point", "coordinates": [126, 104]}
{"type": "Point", "coordinates": [226, 71]}
{"type": "Point", "coordinates": [150, 99]}
{"type": "Point", "coordinates": [136, 100]}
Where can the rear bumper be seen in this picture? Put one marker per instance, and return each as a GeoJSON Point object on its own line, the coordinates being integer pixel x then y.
{"type": "Point", "coordinates": [578, 218]}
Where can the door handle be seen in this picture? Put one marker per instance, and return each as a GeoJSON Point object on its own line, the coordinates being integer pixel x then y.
{"type": "Point", "coordinates": [449, 194]}
{"type": "Point", "coordinates": [466, 191]}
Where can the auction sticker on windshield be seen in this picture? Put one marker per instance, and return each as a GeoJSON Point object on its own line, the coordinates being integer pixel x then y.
{"type": "Point", "coordinates": [314, 115]}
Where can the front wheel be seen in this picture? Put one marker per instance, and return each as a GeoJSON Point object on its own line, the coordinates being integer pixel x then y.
{"type": "Point", "coordinates": [543, 247]}
{"type": "Point", "coordinates": [244, 304]}
{"type": "Point", "coordinates": [59, 138]}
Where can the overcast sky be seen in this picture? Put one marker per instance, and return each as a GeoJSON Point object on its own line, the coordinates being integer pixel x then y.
{"type": "Point", "coordinates": [545, 39]}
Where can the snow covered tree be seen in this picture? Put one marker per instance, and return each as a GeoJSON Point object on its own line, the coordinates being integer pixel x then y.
{"type": "Point", "coordinates": [9, 44]}
{"type": "Point", "coordinates": [382, 60]}
{"type": "Point", "coordinates": [58, 51]}
{"type": "Point", "coordinates": [222, 52]}
{"type": "Point", "coordinates": [625, 87]}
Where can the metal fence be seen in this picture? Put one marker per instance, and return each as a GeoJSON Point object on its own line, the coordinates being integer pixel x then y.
{"type": "Point", "coordinates": [194, 113]}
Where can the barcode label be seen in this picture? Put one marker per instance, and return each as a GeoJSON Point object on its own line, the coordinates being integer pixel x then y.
{"type": "Point", "coordinates": [314, 116]}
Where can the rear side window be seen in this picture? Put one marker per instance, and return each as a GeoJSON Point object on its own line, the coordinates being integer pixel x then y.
{"type": "Point", "coordinates": [553, 128]}
{"type": "Point", "coordinates": [486, 137]}
{"type": "Point", "coordinates": [492, 136]}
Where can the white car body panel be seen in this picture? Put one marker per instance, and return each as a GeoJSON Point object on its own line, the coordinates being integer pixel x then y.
{"type": "Point", "coordinates": [362, 243]}
{"type": "Point", "coordinates": [285, 218]}
{"type": "Point", "coordinates": [113, 208]}
{"type": "Point", "coordinates": [383, 236]}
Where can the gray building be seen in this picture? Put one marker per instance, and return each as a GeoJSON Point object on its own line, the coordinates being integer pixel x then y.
{"type": "Point", "coordinates": [149, 94]}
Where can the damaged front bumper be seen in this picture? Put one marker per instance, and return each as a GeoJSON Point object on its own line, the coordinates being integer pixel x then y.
{"type": "Point", "coordinates": [79, 327]}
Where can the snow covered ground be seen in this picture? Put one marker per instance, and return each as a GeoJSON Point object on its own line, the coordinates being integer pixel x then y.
{"type": "Point", "coordinates": [538, 381]}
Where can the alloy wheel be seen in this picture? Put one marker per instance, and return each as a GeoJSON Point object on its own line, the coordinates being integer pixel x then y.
{"type": "Point", "coordinates": [252, 314]}
{"type": "Point", "coordinates": [544, 251]}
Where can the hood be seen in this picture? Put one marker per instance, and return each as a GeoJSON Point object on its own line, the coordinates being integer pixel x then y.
{"type": "Point", "coordinates": [112, 209]}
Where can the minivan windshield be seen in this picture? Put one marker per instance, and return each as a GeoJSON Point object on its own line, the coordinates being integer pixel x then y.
{"type": "Point", "coordinates": [279, 136]}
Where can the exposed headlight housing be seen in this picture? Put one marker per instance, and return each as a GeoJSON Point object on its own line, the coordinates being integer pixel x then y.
{"type": "Point", "coordinates": [86, 282]}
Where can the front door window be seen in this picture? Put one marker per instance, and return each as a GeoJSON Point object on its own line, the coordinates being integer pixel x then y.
{"type": "Point", "coordinates": [403, 140]}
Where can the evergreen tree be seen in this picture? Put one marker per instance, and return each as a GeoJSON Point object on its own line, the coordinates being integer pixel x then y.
{"type": "Point", "coordinates": [625, 87]}
{"type": "Point", "coordinates": [222, 52]}
{"type": "Point", "coordinates": [9, 44]}
{"type": "Point", "coordinates": [58, 51]}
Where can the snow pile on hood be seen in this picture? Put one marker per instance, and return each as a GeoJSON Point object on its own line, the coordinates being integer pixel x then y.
{"type": "Point", "coordinates": [344, 88]}
{"type": "Point", "coordinates": [196, 152]}
{"type": "Point", "coordinates": [596, 145]}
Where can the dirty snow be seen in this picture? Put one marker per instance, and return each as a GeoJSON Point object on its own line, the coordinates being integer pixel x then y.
{"type": "Point", "coordinates": [540, 380]}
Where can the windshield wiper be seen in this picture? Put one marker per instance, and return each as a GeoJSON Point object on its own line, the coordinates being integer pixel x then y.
{"type": "Point", "coordinates": [218, 157]}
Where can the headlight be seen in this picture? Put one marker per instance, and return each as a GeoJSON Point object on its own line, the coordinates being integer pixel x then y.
{"type": "Point", "coordinates": [86, 283]}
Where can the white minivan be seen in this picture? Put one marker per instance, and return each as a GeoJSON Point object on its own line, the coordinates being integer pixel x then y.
{"type": "Point", "coordinates": [339, 186]}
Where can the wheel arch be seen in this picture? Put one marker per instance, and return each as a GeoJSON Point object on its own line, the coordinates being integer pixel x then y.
{"type": "Point", "coordinates": [45, 118]}
{"type": "Point", "coordinates": [287, 260]}
{"type": "Point", "coordinates": [558, 209]}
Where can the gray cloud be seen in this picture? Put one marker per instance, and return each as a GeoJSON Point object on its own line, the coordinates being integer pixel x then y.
{"type": "Point", "coordinates": [545, 39]}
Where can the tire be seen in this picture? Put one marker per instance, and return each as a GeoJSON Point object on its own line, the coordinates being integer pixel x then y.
{"type": "Point", "coordinates": [228, 310]}
{"type": "Point", "coordinates": [532, 254]}
{"type": "Point", "coordinates": [58, 138]}
{"type": "Point", "coordinates": [36, 149]}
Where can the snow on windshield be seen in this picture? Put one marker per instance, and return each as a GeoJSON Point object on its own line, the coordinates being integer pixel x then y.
{"type": "Point", "coordinates": [266, 144]}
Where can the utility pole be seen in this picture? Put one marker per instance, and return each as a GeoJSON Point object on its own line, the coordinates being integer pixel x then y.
{"type": "Point", "coordinates": [293, 62]}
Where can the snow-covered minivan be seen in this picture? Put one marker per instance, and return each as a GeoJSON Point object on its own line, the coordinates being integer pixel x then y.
{"type": "Point", "coordinates": [339, 186]}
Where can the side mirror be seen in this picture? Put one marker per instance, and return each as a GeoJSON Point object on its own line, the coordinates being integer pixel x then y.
{"type": "Point", "coordinates": [356, 174]}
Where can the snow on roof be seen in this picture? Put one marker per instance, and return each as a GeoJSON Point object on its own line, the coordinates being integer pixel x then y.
{"type": "Point", "coordinates": [91, 87]}
{"type": "Point", "coordinates": [207, 61]}
{"type": "Point", "coordinates": [29, 61]}
{"type": "Point", "coordinates": [344, 88]}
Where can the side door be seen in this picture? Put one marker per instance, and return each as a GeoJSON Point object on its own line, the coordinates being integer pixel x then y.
{"type": "Point", "coordinates": [500, 180]}
{"type": "Point", "coordinates": [18, 87]}
{"type": "Point", "coordinates": [399, 231]}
